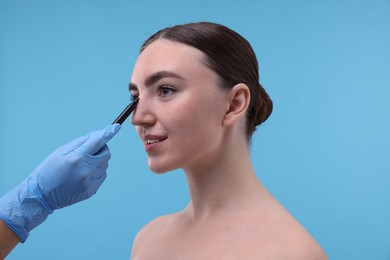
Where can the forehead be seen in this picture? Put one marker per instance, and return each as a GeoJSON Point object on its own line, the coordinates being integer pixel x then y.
{"type": "Point", "coordinates": [168, 56]}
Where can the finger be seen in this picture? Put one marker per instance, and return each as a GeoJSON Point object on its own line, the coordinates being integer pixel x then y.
{"type": "Point", "coordinates": [98, 159]}
{"type": "Point", "coordinates": [96, 140]}
{"type": "Point", "coordinates": [96, 183]}
{"type": "Point", "coordinates": [71, 146]}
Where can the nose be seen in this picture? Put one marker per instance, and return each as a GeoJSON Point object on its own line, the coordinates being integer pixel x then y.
{"type": "Point", "coordinates": [143, 114]}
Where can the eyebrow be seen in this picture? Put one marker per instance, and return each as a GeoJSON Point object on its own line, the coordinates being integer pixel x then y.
{"type": "Point", "coordinates": [155, 77]}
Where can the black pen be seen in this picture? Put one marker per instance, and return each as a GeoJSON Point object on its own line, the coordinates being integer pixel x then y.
{"type": "Point", "coordinates": [126, 112]}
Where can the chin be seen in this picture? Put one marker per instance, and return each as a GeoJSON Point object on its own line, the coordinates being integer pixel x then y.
{"type": "Point", "coordinates": [160, 169]}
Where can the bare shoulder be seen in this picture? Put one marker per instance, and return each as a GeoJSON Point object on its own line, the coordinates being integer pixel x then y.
{"type": "Point", "coordinates": [150, 231]}
{"type": "Point", "coordinates": [280, 236]}
{"type": "Point", "coordinates": [293, 241]}
{"type": "Point", "coordinates": [301, 245]}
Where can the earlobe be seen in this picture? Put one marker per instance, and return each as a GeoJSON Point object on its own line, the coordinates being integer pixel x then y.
{"type": "Point", "coordinates": [239, 98]}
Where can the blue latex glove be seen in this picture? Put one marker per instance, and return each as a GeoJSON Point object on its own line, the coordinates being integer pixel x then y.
{"type": "Point", "coordinates": [72, 173]}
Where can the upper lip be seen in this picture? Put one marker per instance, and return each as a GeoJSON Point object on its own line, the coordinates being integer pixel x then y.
{"type": "Point", "coordinates": [149, 137]}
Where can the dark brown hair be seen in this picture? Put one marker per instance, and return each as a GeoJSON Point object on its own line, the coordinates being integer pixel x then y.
{"type": "Point", "coordinates": [230, 56]}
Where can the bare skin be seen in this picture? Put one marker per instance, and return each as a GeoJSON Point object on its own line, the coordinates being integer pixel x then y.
{"type": "Point", "coordinates": [250, 224]}
{"type": "Point", "coordinates": [8, 240]}
{"type": "Point", "coordinates": [231, 215]}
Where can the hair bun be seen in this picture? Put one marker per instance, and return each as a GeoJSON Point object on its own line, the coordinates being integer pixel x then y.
{"type": "Point", "coordinates": [265, 107]}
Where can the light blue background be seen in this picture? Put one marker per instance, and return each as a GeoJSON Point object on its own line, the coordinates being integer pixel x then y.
{"type": "Point", "coordinates": [324, 153]}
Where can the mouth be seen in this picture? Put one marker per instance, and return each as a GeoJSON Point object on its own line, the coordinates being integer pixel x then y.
{"type": "Point", "coordinates": [152, 141]}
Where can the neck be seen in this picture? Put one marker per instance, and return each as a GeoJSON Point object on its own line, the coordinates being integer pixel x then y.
{"type": "Point", "coordinates": [224, 184]}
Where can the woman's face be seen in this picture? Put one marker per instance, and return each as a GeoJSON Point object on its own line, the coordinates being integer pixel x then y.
{"type": "Point", "coordinates": [181, 109]}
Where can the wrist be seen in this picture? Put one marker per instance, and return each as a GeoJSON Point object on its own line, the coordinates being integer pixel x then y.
{"type": "Point", "coordinates": [23, 209]}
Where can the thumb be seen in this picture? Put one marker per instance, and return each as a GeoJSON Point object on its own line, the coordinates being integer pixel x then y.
{"type": "Point", "coordinates": [96, 140]}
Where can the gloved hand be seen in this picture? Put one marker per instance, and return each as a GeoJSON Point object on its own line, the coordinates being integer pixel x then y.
{"type": "Point", "coordinates": [72, 173]}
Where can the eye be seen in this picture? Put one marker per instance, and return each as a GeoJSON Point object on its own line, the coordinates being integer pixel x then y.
{"type": "Point", "coordinates": [133, 97]}
{"type": "Point", "coordinates": [164, 91]}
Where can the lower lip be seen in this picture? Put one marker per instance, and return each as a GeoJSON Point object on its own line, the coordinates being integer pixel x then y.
{"type": "Point", "coordinates": [152, 146]}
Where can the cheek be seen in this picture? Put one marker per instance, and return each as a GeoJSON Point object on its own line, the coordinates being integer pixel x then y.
{"type": "Point", "coordinates": [196, 125]}
{"type": "Point", "coordinates": [198, 140]}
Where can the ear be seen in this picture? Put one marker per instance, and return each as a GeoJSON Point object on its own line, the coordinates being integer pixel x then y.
{"type": "Point", "coordinates": [239, 98]}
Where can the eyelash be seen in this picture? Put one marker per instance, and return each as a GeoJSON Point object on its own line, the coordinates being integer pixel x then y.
{"type": "Point", "coordinates": [160, 91]}
{"type": "Point", "coordinates": [133, 97]}
{"type": "Point", "coordinates": [163, 88]}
